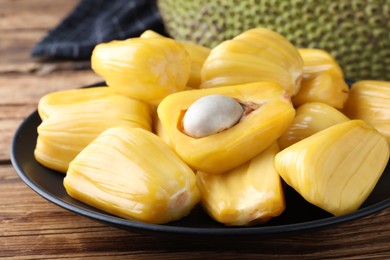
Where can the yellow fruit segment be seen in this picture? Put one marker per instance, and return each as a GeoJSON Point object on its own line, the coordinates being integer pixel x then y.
{"type": "Point", "coordinates": [197, 53]}
{"type": "Point", "coordinates": [217, 153]}
{"type": "Point", "coordinates": [247, 195]}
{"type": "Point", "coordinates": [151, 34]}
{"type": "Point", "coordinates": [131, 173]}
{"type": "Point", "coordinates": [369, 100]}
{"type": "Point", "coordinates": [73, 118]}
{"type": "Point", "coordinates": [147, 69]}
{"type": "Point", "coordinates": [337, 168]}
{"type": "Point", "coordinates": [160, 131]}
{"type": "Point", "coordinates": [255, 55]}
{"type": "Point", "coordinates": [88, 98]}
{"type": "Point", "coordinates": [323, 80]}
{"type": "Point", "coordinates": [310, 118]}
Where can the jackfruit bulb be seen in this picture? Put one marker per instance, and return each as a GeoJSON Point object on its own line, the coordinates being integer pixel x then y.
{"type": "Point", "coordinates": [257, 54]}
{"type": "Point", "coordinates": [333, 171]}
{"type": "Point", "coordinates": [147, 69]}
{"type": "Point", "coordinates": [117, 173]}
{"type": "Point", "coordinates": [246, 195]}
{"type": "Point", "coordinates": [355, 32]}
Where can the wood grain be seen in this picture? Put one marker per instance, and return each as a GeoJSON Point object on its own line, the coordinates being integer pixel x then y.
{"type": "Point", "coordinates": [33, 15]}
{"type": "Point", "coordinates": [23, 80]}
{"type": "Point", "coordinates": [33, 228]}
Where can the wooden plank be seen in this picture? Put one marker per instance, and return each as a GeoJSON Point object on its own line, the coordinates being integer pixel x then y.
{"type": "Point", "coordinates": [29, 88]}
{"type": "Point", "coordinates": [16, 111]}
{"type": "Point", "coordinates": [15, 48]}
{"type": "Point", "coordinates": [27, 14]}
{"type": "Point", "coordinates": [23, 24]}
{"type": "Point", "coordinates": [7, 130]}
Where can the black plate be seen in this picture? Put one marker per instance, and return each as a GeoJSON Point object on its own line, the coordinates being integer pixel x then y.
{"type": "Point", "coordinates": [298, 216]}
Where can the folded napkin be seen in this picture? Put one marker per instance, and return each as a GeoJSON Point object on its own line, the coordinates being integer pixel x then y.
{"type": "Point", "coordinates": [96, 21]}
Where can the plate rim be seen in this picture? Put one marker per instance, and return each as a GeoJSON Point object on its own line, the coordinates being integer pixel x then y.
{"type": "Point", "coordinates": [179, 230]}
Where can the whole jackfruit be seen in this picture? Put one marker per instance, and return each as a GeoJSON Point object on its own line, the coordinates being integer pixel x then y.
{"type": "Point", "coordinates": [355, 32]}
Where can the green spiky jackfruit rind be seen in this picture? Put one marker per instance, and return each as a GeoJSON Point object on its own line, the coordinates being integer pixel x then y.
{"type": "Point", "coordinates": [355, 32]}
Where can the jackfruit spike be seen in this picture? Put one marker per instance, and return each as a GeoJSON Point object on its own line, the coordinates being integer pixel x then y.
{"type": "Point", "coordinates": [247, 195]}
{"type": "Point", "coordinates": [267, 55]}
{"type": "Point", "coordinates": [323, 80]}
{"type": "Point", "coordinates": [147, 69]}
{"type": "Point", "coordinates": [197, 53]}
{"type": "Point", "coordinates": [118, 174]}
{"type": "Point", "coordinates": [310, 118]}
{"type": "Point", "coordinates": [337, 168]}
{"type": "Point", "coordinates": [369, 100]}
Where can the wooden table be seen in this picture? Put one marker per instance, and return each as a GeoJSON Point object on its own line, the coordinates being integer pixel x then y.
{"type": "Point", "coordinates": [33, 228]}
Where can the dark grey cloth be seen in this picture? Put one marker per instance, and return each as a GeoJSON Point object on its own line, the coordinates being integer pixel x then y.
{"type": "Point", "coordinates": [96, 21]}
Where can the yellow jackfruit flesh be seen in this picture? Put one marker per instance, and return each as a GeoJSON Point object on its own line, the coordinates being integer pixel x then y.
{"type": "Point", "coordinates": [159, 130]}
{"type": "Point", "coordinates": [197, 53]}
{"type": "Point", "coordinates": [337, 168]}
{"type": "Point", "coordinates": [247, 195]}
{"type": "Point", "coordinates": [89, 99]}
{"type": "Point", "coordinates": [271, 115]}
{"type": "Point", "coordinates": [131, 173]}
{"type": "Point", "coordinates": [147, 69]}
{"type": "Point", "coordinates": [73, 118]}
{"type": "Point", "coordinates": [323, 80]}
{"type": "Point", "coordinates": [255, 55]}
{"type": "Point", "coordinates": [151, 34]}
{"type": "Point", "coordinates": [310, 118]}
{"type": "Point", "coordinates": [369, 100]}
